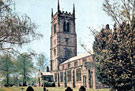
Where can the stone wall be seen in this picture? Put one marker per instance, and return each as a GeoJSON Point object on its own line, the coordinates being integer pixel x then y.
{"type": "Point", "coordinates": [64, 67]}
{"type": "Point", "coordinates": [63, 43]}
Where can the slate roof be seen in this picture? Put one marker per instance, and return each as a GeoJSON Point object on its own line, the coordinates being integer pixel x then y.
{"type": "Point", "coordinates": [76, 58]}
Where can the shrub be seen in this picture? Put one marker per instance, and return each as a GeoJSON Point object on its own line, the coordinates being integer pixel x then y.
{"type": "Point", "coordinates": [49, 84]}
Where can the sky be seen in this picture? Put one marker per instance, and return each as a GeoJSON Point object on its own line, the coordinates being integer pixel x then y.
{"type": "Point", "coordinates": [89, 13]}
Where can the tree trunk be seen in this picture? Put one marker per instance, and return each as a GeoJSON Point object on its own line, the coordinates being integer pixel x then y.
{"type": "Point", "coordinates": [24, 79]}
{"type": "Point", "coordinates": [7, 79]}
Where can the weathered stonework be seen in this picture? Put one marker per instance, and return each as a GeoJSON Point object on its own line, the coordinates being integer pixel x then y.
{"type": "Point", "coordinates": [63, 38]}
{"type": "Point", "coordinates": [66, 67]}
{"type": "Point", "coordinates": [87, 79]}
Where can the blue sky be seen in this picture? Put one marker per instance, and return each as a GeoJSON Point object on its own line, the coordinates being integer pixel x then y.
{"type": "Point", "coordinates": [89, 13]}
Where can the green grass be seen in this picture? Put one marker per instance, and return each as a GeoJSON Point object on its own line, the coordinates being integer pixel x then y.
{"type": "Point", "coordinates": [41, 89]}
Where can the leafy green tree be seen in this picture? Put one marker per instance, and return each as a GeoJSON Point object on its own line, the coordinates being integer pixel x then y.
{"type": "Point", "coordinates": [32, 81]}
{"type": "Point", "coordinates": [15, 30]}
{"type": "Point", "coordinates": [25, 67]}
{"type": "Point", "coordinates": [115, 49]}
{"type": "Point", "coordinates": [42, 62]}
{"type": "Point", "coordinates": [6, 67]}
{"type": "Point", "coordinates": [114, 54]}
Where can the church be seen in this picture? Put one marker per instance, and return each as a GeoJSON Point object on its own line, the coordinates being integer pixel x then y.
{"type": "Point", "coordinates": [66, 67]}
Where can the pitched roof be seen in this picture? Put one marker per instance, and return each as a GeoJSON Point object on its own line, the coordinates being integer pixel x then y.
{"type": "Point", "coordinates": [47, 73]}
{"type": "Point", "coordinates": [76, 58]}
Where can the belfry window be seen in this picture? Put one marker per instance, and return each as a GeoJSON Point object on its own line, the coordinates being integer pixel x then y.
{"type": "Point", "coordinates": [54, 28]}
{"type": "Point", "coordinates": [64, 26]}
{"type": "Point", "coordinates": [68, 27]}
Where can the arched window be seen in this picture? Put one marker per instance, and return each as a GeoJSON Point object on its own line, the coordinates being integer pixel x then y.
{"type": "Point", "coordinates": [78, 74]}
{"type": "Point", "coordinates": [61, 76]}
{"type": "Point", "coordinates": [54, 28]}
{"type": "Point", "coordinates": [51, 65]}
{"type": "Point", "coordinates": [64, 26]}
{"type": "Point", "coordinates": [90, 78]}
{"type": "Point", "coordinates": [68, 27]}
{"type": "Point", "coordinates": [54, 52]}
{"type": "Point", "coordinates": [69, 75]}
{"type": "Point", "coordinates": [55, 77]}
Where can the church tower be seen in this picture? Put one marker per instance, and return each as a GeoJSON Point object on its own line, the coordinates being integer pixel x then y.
{"type": "Point", "coordinates": [63, 37]}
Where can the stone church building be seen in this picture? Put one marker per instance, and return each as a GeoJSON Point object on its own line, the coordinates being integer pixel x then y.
{"type": "Point", "coordinates": [66, 67]}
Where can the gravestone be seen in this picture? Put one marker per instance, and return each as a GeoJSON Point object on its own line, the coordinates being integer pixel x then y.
{"type": "Point", "coordinates": [68, 89]}
{"type": "Point", "coordinates": [82, 88]}
{"type": "Point", "coordinates": [30, 89]}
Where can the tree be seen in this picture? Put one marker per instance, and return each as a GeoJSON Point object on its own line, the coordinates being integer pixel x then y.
{"type": "Point", "coordinates": [32, 81]}
{"type": "Point", "coordinates": [114, 56]}
{"type": "Point", "coordinates": [6, 67]}
{"type": "Point", "coordinates": [42, 62]}
{"type": "Point", "coordinates": [15, 30]}
{"type": "Point", "coordinates": [25, 66]}
{"type": "Point", "coordinates": [114, 49]}
{"type": "Point", "coordinates": [120, 11]}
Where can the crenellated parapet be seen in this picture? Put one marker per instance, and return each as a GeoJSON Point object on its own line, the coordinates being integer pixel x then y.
{"type": "Point", "coordinates": [63, 13]}
{"type": "Point", "coordinates": [63, 37]}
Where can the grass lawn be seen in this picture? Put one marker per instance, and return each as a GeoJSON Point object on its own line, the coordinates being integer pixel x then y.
{"type": "Point", "coordinates": [49, 89]}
